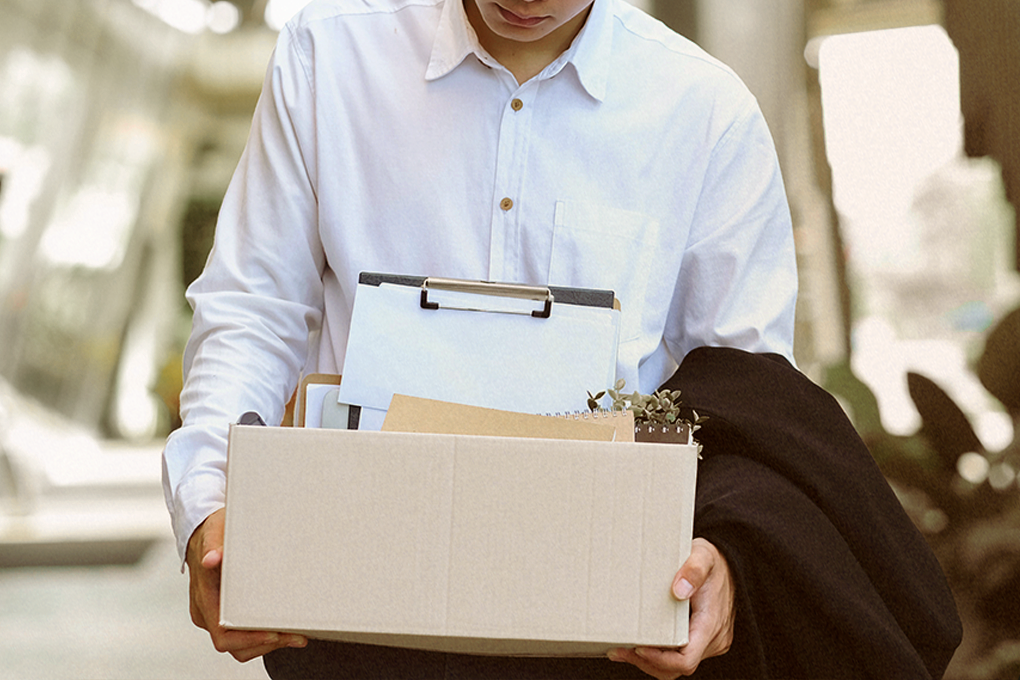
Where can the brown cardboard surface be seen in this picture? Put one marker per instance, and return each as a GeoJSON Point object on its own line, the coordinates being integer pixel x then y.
{"type": "Point", "coordinates": [413, 414]}
{"type": "Point", "coordinates": [457, 543]}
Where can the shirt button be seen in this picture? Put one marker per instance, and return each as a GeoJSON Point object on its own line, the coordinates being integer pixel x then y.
{"type": "Point", "coordinates": [516, 105]}
{"type": "Point", "coordinates": [506, 204]}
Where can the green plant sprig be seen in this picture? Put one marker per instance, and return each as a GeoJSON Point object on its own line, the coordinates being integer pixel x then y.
{"type": "Point", "coordinates": [660, 408]}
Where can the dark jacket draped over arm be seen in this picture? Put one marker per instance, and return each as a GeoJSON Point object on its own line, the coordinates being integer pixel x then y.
{"type": "Point", "coordinates": [833, 579]}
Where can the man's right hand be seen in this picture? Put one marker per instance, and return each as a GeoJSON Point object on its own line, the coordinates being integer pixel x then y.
{"type": "Point", "coordinates": [204, 558]}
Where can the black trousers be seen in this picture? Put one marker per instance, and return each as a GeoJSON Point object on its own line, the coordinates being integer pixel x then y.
{"type": "Point", "coordinates": [346, 661]}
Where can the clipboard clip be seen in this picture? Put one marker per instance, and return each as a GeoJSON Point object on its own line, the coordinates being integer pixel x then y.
{"type": "Point", "coordinates": [510, 290]}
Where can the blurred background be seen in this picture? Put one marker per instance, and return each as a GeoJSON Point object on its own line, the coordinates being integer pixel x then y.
{"type": "Point", "coordinates": [898, 128]}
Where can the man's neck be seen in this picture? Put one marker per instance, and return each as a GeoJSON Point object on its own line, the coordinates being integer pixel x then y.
{"type": "Point", "coordinates": [525, 60]}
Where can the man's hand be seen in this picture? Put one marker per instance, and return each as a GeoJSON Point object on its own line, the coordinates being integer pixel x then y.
{"type": "Point", "coordinates": [705, 580]}
{"type": "Point", "coordinates": [205, 555]}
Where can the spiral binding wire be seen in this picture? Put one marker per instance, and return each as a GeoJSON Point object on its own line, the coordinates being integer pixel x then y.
{"type": "Point", "coordinates": [662, 433]}
{"type": "Point", "coordinates": [589, 415]}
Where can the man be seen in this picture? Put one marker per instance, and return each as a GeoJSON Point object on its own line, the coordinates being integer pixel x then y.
{"type": "Point", "coordinates": [560, 142]}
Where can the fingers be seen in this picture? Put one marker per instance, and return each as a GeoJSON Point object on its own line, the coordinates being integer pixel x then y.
{"type": "Point", "coordinates": [246, 645]}
{"type": "Point", "coordinates": [704, 580]}
{"type": "Point", "coordinates": [713, 604]}
{"type": "Point", "coordinates": [204, 558]}
{"type": "Point", "coordinates": [243, 645]}
{"type": "Point", "coordinates": [664, 664]}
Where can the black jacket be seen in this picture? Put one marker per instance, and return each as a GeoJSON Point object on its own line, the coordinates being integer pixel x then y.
{"type": "Point", "coordinates": [833, 579]}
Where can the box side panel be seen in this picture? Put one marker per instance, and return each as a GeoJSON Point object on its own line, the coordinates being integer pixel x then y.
{"type": "Point", "coordinates": [520, 541]}
{"type": "Point", "coordinates": [614, 577]}
{"type": "Point", "coordinates": [548, 545]}
{"type": "Point", "coordinates": [668, 494]}
{"type": "Point", "coordinates": [581, 542]}
{"type": "Point", "coordinates": [686, 482]}
{"type": "Point", "coordinates": [324, 529]}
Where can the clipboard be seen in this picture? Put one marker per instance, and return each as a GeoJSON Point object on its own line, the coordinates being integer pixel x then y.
{"type": "Point", "coordinates": [587, 297]}
{"type": "Point", "coordinates": [514, 347]}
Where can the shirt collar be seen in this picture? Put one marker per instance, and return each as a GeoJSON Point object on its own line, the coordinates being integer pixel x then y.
{"type": "Point", "coordinates": [589, 54]}
{"type": "Point", "coordinates": [455, 40]}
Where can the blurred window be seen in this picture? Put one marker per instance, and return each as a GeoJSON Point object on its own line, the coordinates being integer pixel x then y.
{"type": "Point", "coordinates": [925, 228]}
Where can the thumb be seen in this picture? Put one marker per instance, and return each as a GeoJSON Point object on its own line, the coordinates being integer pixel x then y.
{"type": "Point", "coordinates": [682, 588]}
{"type": "Point", "coordinates": [694, 571]}
{"type": "Point", "coordinates": [211, 540]}
{"type": "Point", "coordinates": [212, 558]}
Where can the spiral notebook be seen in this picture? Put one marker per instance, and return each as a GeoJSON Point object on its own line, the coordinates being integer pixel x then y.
{"type": "Point", "coordinates": [413, 414]}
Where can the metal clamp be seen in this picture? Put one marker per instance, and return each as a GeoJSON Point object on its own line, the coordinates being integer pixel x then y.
{"type": "Point", "coordinates": [509, 290]}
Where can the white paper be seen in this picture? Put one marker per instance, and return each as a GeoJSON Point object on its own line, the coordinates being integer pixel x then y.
{"type": "Point", "coordinates": [315, 394]}
{"type": "Point", "coordinates": [496, 360]}
{"type": "Point", "coordinates": [371, 418]}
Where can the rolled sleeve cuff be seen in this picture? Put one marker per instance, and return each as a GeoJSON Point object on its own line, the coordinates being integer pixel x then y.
{"type": "Point", "coordinates": [195, 499]}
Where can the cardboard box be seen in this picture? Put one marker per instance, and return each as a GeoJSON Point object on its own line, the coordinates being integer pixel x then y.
{"type": "Point", "coordinates": [490, 545]}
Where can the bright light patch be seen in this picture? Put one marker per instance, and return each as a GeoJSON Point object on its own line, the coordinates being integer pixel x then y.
{"type": "Point", "coordinates": [188, 16]}
{"type": "Point", "coordinates": [1001, 476]}
{"type": "Point", "coordinates": [23, 182]}
{"type": "Point", "coordinates": [279, 12]}
{"type": "Point", "coordinates": [185, 15]}
{"type": "Point", "coordinates": [91, 229]}
{"type": "Point", "coordinates": [223, 17]}
{"type": "Point", "coordinates": [137, 414]}
{"type": "Point", "coordinates": [893, 126]}
{"type": "Point", "coordinates": [891, 102]}
{"type": "Point", "coordinates": [973, 467]}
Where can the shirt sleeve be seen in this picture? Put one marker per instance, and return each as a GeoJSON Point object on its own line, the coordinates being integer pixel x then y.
{"type": "Point", "coordinates": [258, 299]}
{"type": "Point", "coordinates": [737, 285]}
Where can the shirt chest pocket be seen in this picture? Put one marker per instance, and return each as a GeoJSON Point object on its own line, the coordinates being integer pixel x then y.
{"type": "Point", "coordinates": [597, 246]}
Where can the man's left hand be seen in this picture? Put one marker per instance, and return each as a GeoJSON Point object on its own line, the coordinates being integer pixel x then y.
{"type": "Point", "coordinates": [705, 580]}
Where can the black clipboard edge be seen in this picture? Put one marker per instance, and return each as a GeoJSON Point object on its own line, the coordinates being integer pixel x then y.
{"type": "Point", "coordinates": [583, 297]}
